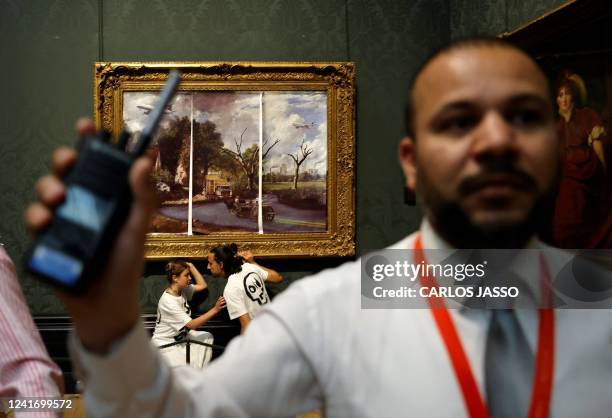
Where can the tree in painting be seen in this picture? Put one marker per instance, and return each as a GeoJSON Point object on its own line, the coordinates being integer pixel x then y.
{"type": "Point", "coordinates": [298, 160]}
{"type": "Point", "coordinates": [208, 151]}
{"type": "Point", "coordinates": [249, 158]}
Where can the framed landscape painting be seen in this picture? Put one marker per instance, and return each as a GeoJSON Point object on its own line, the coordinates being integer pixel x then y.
{"type": "Point", "coordinates": [260, 154]}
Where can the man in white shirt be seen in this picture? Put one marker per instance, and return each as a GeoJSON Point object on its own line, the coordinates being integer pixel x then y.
{"type": "Point", "coordinates": [483, 156]}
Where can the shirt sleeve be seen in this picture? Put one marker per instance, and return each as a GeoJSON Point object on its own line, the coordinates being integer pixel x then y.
{"type": "Point", "coordinates": [247, 380]}
{"type": "Point", "coordinates": [262, 273]}
{"type": "Point", "coordinates": [25, 366]}
{"type": "Point", "coordinates": [234, 300]}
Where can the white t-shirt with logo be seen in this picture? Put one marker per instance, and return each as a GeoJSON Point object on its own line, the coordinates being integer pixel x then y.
{"type": "Point", "coordinates": [245, 291]}
{"type": "Point", "coordinates": [173, 312]}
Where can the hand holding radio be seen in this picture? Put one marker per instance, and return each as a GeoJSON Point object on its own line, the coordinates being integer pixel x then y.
{"type": "Point", "coordinates": [74, 246]}
{"type": "Point", "coordinates": [109, 307]}
{"type": "Point", "coordinates": [90, 224]}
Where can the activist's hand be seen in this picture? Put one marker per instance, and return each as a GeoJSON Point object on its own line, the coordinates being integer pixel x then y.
{"type": "Point", "coordinates": [110, 307]}
{"type": "Point", "coordinates": [220, 304]}
{"type": "Point", "coordinates": [247, 255]}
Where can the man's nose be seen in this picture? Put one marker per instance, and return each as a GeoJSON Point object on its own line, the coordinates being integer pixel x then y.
{"type": "Point", "coordinates": [494, 136]}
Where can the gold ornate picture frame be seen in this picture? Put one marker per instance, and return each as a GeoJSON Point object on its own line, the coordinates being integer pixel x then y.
{"type": "Point", "coordinates": [261, 154]}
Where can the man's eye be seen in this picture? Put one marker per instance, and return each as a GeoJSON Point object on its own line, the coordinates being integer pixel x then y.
{"type": "Point", "coordinates": [458, 124]}
{"type": "Point", "coordinates": [525, 118]}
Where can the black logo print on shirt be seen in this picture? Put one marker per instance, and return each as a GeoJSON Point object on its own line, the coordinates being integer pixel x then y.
{"type": "Point", "coordinates": [254, 288]}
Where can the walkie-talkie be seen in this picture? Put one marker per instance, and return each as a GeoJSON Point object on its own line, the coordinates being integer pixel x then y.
{"type": "Point", "coordinates": [74, 248]}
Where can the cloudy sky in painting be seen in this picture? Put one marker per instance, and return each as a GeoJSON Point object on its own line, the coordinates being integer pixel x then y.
{"type": "Point", "coordinates": [289, 117]}
{"type": "Point", "coordinates": [294, 117]}
{"type": "Point", "coordinates": [137, 105]}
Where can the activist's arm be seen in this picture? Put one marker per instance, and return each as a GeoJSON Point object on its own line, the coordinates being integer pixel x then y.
{"type": "Point", "coordinates": [271, 275]}
{"type": "Point", "coordinates": [200, 283]}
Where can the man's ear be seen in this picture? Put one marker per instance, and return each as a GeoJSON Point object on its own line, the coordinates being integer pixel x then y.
{"type": "Point", "coordinates": [407, 159]}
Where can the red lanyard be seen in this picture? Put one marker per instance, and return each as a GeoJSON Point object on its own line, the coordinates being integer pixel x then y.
{"type": "Point", "coordinates": [543, 378]}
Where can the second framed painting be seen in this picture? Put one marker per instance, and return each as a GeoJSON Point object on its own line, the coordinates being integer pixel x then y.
{"type": "Point", "coordinates": [572, 45]}
{"type": "Point", "coordinates": [260, 154]}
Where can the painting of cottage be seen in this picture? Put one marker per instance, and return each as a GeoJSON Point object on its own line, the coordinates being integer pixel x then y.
{"type": "Point", "coordinates": [208, 149]}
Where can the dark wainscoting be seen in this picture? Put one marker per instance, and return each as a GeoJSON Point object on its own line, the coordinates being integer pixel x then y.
{"type": "Point", "coordinates": [54, 331]}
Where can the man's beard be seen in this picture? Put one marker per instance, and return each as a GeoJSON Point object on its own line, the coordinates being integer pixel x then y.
{"type": "Point", "coordinates": [455, 226]}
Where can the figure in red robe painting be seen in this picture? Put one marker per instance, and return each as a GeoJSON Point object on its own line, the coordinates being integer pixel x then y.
{"type": "Point", "coordinates": [582, 217]}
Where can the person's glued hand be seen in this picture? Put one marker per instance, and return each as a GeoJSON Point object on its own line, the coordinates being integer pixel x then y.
{"type": "Point", "coordinates": [220, 304]}
{"type": "Point", "coordinates": [247, 255]}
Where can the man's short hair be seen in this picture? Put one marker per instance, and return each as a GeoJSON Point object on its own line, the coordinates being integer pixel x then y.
{"type": "Point", "coordinates": [477, 41]}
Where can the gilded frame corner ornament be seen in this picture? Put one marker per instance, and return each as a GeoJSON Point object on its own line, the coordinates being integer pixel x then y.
{"type": "Point", "coordinates": [336, 79]}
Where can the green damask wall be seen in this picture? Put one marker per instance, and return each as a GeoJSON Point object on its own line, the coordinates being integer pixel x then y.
{"type": "Point", "coordinates": [47, 49]}
{"type": "Point", "coordinates": [491, 17]}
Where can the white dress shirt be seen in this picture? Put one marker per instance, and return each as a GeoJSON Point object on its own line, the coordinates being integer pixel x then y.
{"type": "Point", "coordinates": [315, 348]}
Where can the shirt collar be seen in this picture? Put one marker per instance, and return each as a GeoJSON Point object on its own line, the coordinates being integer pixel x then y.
{"type": "Point", "coordinates": [525, 267]}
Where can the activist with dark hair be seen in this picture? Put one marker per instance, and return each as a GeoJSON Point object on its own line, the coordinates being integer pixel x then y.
{"type": "Point", "coordinates": [483, 155]}
{"type": "Point", "coordinates": [245, 292]}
